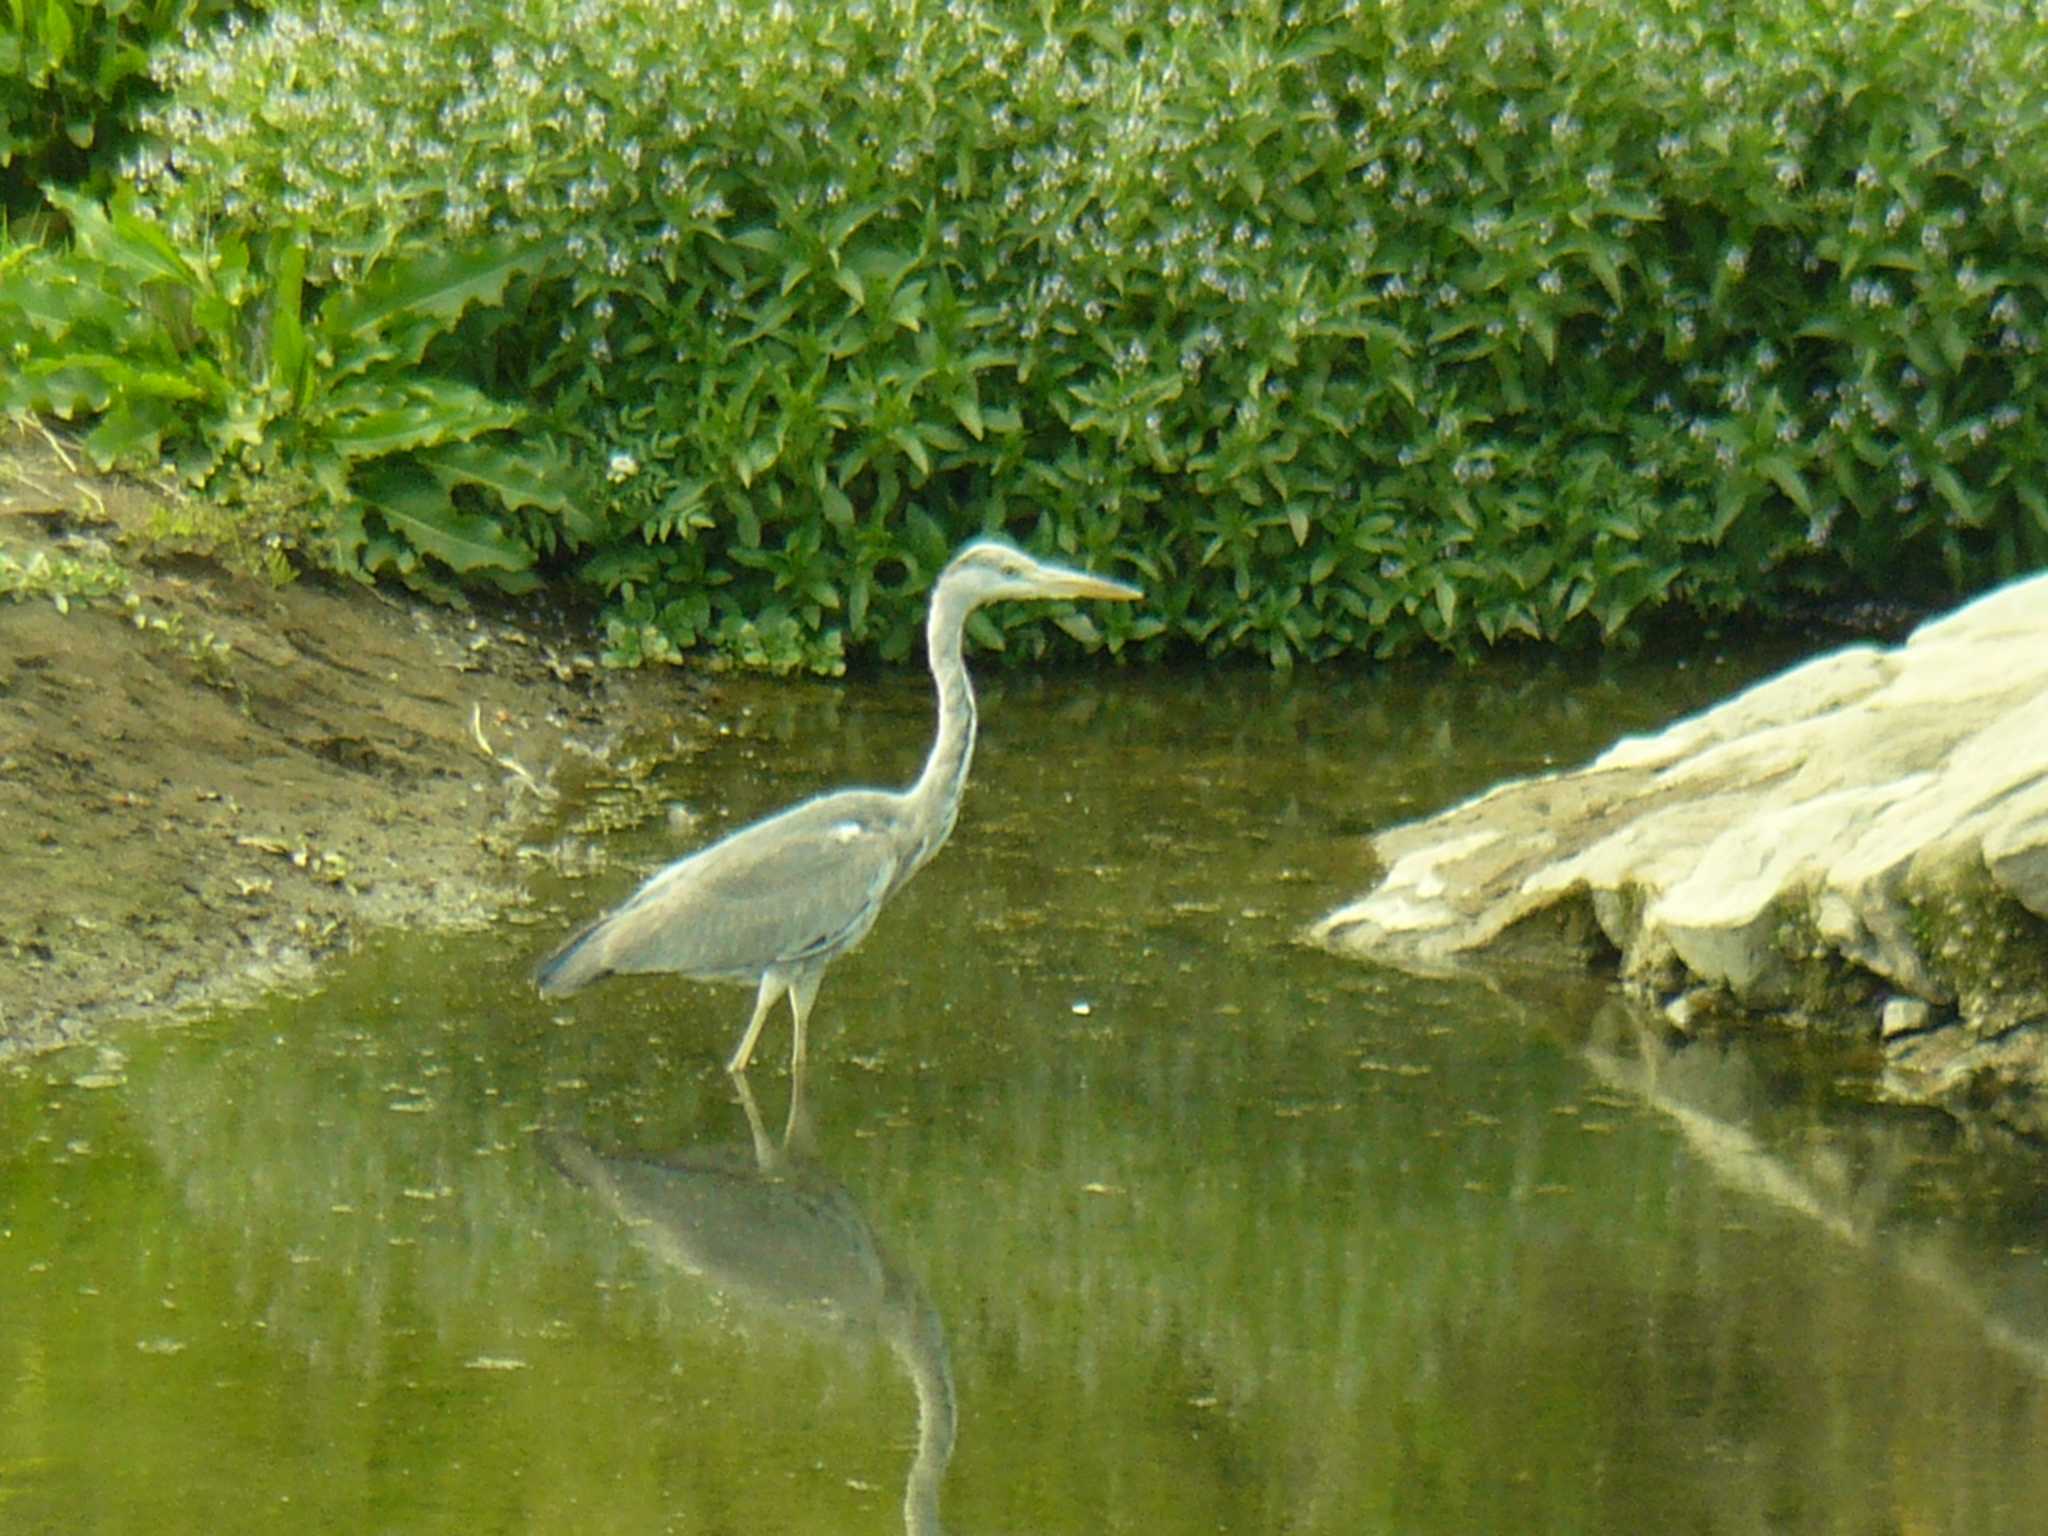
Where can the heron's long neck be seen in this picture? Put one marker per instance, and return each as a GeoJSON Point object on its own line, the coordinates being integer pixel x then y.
{"type": "Point", "coordinates": [935, 797]}
{"type": "Point", "coordinates": [918, 1339]}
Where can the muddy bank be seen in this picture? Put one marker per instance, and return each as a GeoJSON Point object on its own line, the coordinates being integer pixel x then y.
{"type": "Point", "coordinates": [208, 784]}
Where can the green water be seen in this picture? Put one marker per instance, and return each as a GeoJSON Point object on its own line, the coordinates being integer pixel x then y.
{"type": "Point", "coordinates": [1112, 1209]}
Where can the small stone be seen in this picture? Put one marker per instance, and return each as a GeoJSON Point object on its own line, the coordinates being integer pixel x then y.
{"type": "Point", "coordinates": [1683, 1011]}
{"type": "Point", "coordinates": [1903, 1016]}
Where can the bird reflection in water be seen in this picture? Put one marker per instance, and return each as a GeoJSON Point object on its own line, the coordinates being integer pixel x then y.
{"type": "Point", "coordinates": [772, 1229]}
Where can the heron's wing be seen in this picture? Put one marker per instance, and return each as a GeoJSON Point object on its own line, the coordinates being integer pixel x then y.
{"type": "Point", "coordinates": [794, 1242]}
{"type": "Point", "coordinates": [796, 887]}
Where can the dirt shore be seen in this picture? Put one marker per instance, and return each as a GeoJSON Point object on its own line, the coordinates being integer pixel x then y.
{"type": "Point", "coordinates": [208, 783]}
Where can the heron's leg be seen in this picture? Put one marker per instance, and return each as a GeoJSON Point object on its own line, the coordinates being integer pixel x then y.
{"type": "Point", "coordinates": [773, 984]}
{"type": "Point", "coordinates": [799, 1140]}
{"type": "Point", "coordinates": [802, 989]}
{"type": "Point", "coordinates": [765, 1154]}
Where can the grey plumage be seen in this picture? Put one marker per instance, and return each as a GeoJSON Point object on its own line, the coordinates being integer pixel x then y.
{"type": "Point", "coordinates": [775, 1231]}
{"type": "Point", "coordinates": [776, 902]}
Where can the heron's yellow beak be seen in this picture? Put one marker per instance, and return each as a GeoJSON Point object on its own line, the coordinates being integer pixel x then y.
{"type": "Point", "coordinates": [1065, 583]}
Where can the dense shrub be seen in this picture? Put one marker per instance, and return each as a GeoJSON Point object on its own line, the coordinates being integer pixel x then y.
{"type": "Point", "coordinates": [71, 74]}
{"type": "Point", "coordinates": [1347, 327]}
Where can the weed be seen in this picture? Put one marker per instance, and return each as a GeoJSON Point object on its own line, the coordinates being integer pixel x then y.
{"type": "Point", "coordinates": [60, 577]}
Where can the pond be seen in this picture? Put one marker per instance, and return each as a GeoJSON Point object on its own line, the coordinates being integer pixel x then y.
{"type": "Point", "coordinates": [1103, 1206]}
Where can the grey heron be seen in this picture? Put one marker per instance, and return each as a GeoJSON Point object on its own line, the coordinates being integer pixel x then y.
{"type": "Point", "coordinates": [778, 901]}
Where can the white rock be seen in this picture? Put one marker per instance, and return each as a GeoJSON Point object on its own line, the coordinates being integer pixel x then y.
{"type": "Point", "coordinates": [1835, 816]}
{"type": "Point", "coordinates": [1903, 1016]}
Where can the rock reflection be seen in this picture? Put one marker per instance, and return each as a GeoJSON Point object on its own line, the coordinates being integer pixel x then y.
{"type": "Point", "coordinates": [771, 1228]}
{"type": "Point", "coordinates": [1713, 1097]}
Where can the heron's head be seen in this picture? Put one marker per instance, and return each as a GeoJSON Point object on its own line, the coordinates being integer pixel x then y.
{"type": "Point", "coordinates": [995, 570]}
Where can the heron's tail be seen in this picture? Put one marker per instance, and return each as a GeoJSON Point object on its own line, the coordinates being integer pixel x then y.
{"type": "Point", "coordinates": [578, 963]}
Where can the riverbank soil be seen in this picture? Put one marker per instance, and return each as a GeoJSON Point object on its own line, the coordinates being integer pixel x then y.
{"type": "Point", "coordinates": [208, 782]}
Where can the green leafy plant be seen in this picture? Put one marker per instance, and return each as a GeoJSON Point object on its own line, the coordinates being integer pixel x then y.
{"type": "Point", "coordinates": [59, 577]}
{"type": "Point", "coordinates": [72, 74]}
{"type": "Point", "coordinates": [210, 657]}
{"type": "Point", "coordinates": [1347, 329]}
{"type": "Point", "coordinates": [223, 364]}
